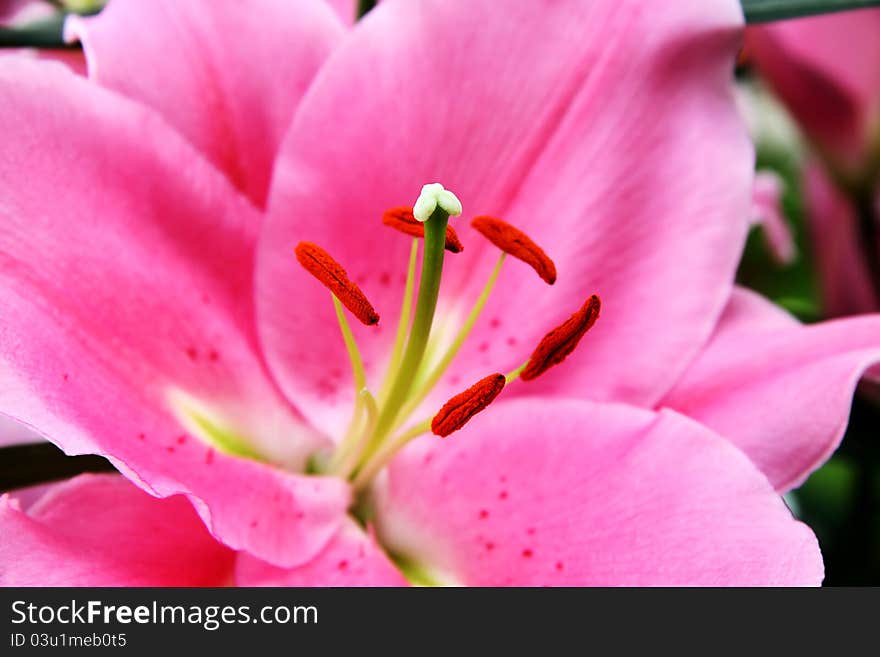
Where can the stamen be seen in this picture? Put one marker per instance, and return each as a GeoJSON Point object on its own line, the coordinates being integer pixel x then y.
{"type": "Point", "coordinates": [463, 406]}
{"type": "Point", "coordinates": [561, 341]}
{"type": "Point", "coordinates": [322, 266]}
{"type": "Point", "coordinates": [362, 394]}
{"type": "Point", "coordinates": [354, 354]}
{"type": "Point", "coordinates": [389, 449]}
{"type": "Point", "coordinates": [515, 242]}
{"type": "Point", "coordinates": [402, 219]}
{"type": "Point", "coordinates": [348, 453]}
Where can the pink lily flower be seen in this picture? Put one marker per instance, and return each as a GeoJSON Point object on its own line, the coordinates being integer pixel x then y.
{"type": "Point", "coordinates": [158, 319]}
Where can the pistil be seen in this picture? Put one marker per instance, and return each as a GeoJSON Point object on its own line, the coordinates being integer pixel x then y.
{"type": "Point", "coordinates": [402, 219]}
{"type": "Point", "coordinates": [402, 322]}
{"type": "Point", "coordinates": [425, 386]}
{"type": "Point", "coordinates": [440, 203]}
{"type": "Point", "coordinates": [429, 289]}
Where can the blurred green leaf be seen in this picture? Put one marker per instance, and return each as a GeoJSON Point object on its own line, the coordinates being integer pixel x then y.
{"type": "Point", "coordinates": [45, 33]}
{"type": "Point", "coordinates": [841, 500]}
{"type": "Point", "coordinates": [829, 493]}
{"type": "Point", "coordinates": [761, 11]}
{"type": "Point", "coordinates": [48, 32]}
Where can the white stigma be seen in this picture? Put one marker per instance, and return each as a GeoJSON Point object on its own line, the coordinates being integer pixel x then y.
{"type": "Point", "coordinates": [433, 195]}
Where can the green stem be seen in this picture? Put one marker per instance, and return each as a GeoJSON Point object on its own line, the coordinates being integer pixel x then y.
{"type": "Point", "coordinates": [763, 11]}
{"type": "Point", "coordinates": [429, 289]}
{"type": "Point", "coordinates": [425, 387]}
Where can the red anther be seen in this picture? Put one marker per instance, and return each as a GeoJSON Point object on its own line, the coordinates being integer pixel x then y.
{"type": "Point", "coordinates": [402, 219]}
{"type": "Point", "coordinates": [322, 266]}
{"type": "Point", "coordinates": [515, 242]}
{"type": "Point", "coordinates": [562, 340]}
{"type": "Point", "coordinates": [461, 408]}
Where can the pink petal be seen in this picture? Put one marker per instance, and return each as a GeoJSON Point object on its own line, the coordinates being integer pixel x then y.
{"type": "Point", "coordinates": [227, 74]}
{"type": "Point", "coordinates": [345, 10]}
{"type": "Point", "coordinates": [126, 276]}
{"type": "Point", "coordinates": [827, 70]}
{"type": "Point", "coordinates": [598, 127]}
{"type": "Point", "coordinates": [352, 558]}
{"type": "Point", "coordinates": [779, 391]}
{"type": "Point", "coordinates": [767, 212]}
{"type": "Point", "coordinates": [843, 274]}
{"type": "Point", "coordinates": [99, 530]}
{"type": "Point", "coordinates": [541, 492]}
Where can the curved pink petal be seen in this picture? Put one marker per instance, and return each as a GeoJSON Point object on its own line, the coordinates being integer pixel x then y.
{"type": "Point", "coordinates": [778, 390]}
{"type": "Point", "coordinates": [596, 127]}
{"type": "Point", "coordinates": [125, 274]}
{"type": "Point", "coordinates": [844, 281]}
{"type": "Point", "coordinates": [227, 74]}
{"type": "Point", "coordinates": [102, 531]}
{"type": "Point", "coordinates": [827, 70]}
{"type": "Point", "coordinates": [352, 558]}
{"type": "Point", "coordinates": [540, 492]}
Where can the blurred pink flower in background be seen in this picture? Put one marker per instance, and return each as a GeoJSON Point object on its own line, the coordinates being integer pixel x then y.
{"type": "Point", "coordinates": [149, 297]}
{"type": "Point", "coordinates": [19, 12]}
{"type": "Point", "coordinates": [844, 280]}
{"type": "Point", "coordinates": [827, 71]}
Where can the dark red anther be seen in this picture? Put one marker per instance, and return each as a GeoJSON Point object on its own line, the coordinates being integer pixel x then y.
{"type": "Point", "coordinates": [562, 340]}
{"type": "Point", "coordinates": [322, 266]}
{"type": "Point", "coordinates": [461, 408]}
{"type": "Point", "coordinates": [515, 242]}
{"type": "Point", "coordinates": [402, 219]}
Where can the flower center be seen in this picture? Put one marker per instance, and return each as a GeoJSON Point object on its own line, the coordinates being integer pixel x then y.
{"type": "Point", "coordinates": [377, 431]}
